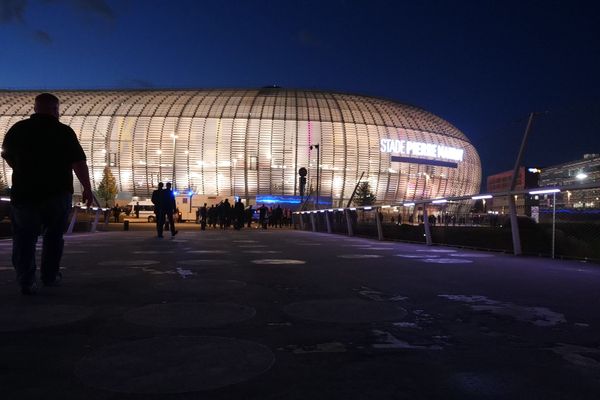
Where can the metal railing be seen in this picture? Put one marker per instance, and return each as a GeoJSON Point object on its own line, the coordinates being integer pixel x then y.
{"type": "Point", "coordinates": [561, 222]}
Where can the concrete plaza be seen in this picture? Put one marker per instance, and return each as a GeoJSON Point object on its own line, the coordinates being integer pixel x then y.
{"type": "Point", "coordinates": [282, 314]}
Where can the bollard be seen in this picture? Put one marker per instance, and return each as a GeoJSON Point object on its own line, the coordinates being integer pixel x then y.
{"type": "Point", "coordinates": [126, 225]}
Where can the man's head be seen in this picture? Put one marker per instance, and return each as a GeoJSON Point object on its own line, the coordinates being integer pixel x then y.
{"type": "Point", "coordinates": [160, 185]}
{"type": "Point", "coordinates": [46, 104]}
{"type": "Point", "coordinates": [169, 185]}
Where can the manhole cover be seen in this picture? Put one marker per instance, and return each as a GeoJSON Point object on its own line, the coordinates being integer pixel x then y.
{"type": "Point", "coordinates": [416, 255]}
{"type": "Point", "coordinates": [278, 261]}
{"type": "Point", "coordinates": [200, 285]}
{"type": "Point", "coordinates": [446, 260]}
{"type": "Point", "coordinates": [360, 256]}
{"type": "Point", "coordinates": [128, 263]}
{"type": "Point", "coordinates": [174, 364]}
{"type": "Point", "coordinates": [346, 311]}
{"type": "Point", "coordinates": [189, 315]}
{"type": "Point", "coordinates": [205, 262]}
{"type": "Point", "coordinates": [207, 251]}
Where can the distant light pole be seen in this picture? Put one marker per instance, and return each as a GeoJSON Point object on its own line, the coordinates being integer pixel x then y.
{"type": "Point", "coordinates": [234, 165]}
{"type": "Point", "coordinates": [174, 136]}
{"type": "Point", "coordinates": [316, 146]}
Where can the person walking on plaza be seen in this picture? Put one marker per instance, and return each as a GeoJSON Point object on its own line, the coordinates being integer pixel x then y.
{"type": "Point", "coordinates": [116, 212]}
{"type": "Point", "coordinates": [156, 200]}
{"type": "Point", "coordinates": [278, 216]}
{"type": "Point", "coordinates": [238, 215]}
{"type": "Point", "coordinates": [262, 217]}
{"type": "Point", "coordinates": [43, 153]}
{"type": "Point", "coordinates": [249, 215]}
{"type": "Point", "coordinates": [167, 208]}
{"type": "Point", "coordinates": [203, 215]}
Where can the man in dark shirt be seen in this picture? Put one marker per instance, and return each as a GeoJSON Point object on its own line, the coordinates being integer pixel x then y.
{"type": "Point", "coordinates": [156, 200]}
{"type": "Point", "coordinates": [167, 208]}
{"type": "Point", "coordinates": [43, 153]}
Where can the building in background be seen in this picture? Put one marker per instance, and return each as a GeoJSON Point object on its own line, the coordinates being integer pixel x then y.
{"type": "Point", "coordinates": [575, 173]}
{"type": "Point", "coordinates": [251, 142]}
{"type": "Point", "coordinates": [527, 178]}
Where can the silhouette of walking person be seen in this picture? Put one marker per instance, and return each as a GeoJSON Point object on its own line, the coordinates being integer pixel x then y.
{"type": "Point", "coordinates": [167, 207]}
{"type": "Point", "coordinates": [156, 200]}
{"type": "Point", "coordinates": [43, 153]}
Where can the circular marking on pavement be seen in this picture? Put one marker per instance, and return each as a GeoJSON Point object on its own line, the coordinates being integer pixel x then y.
{"type": "Point", "coordinates": [189, 315]}
{"type": "Point", "coordinates": [278, 261]}
{"type": "Point", "coordinates": [205, 262]}
{"type": "Point", "coordinates": [360, 256]}
{"type": "Point", "coordinates": [128, 263]}
{"type": "Point", "coordinates": [446, 260]}
{"type": "Point", "coordinates": [472, 255]}
{"type": "Point", "coordinates": [174, 364]}
{"type": "Point", "coordinates": [261, 251]}
{"type": "Point", "coordinates": [152, 252]}
{"type": "Point", "coordinates": [200, 286]}
{"type": "Point", "coordinates": [102, 273]}
{"type": "Point", "coordinates": [18, 318]}
{"type": "Point", "coordinates": [207, 251]}
{"type": "Point", "coordinates": [438, 250]}
{"type": "Point", "coordinates": [416, 255]}
{"type": "Point", "coordinates": [346, 311]}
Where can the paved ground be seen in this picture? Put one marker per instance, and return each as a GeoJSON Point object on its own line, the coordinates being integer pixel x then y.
{"type": "Point", "coordinates": [298, 315]}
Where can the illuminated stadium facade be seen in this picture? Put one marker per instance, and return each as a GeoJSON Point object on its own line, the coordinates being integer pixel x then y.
{"type": "Point", "coordinates": [252, 142]}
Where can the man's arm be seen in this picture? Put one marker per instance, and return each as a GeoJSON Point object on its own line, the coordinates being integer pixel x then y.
{"type": "Point", "coordinates": [81, 170]}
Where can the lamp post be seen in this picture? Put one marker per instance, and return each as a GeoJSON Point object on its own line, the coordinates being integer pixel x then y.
{"type": "Point", "coordinates": [316, 146]}
{"type": "Point", "coordinates": [234, 165]}
{"type": "Point", "coordinates": [174, 136]}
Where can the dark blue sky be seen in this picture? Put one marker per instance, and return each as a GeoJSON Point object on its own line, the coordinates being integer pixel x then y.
{"type": "Point", "coordinates": [482, 65]}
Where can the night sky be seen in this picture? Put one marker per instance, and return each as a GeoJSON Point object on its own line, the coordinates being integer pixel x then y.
{"type": "Point", "coordinates": [481, 65]}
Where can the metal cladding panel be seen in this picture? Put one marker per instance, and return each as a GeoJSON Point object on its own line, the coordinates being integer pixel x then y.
{"type": "Point", "coordinates": [250, 142]}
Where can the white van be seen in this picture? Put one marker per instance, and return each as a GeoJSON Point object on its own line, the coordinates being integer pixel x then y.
{"type": "Point", "coordinates": [146, 210]}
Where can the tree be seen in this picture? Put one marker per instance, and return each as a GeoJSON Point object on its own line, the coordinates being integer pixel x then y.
{"type": "Point", "coordinates": [107, 189]}
{"type": "Point", "coordinates": [3, 186]}
{"type": "Point", "coordinates": [364, 196]}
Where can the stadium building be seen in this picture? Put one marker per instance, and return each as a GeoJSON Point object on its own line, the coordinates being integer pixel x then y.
{"type": "Point", "coordinates": [252, 142]}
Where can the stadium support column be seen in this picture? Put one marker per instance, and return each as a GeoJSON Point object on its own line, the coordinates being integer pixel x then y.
{"type": "Point", "coordinates": [514, 224]}
{"type": "Point", "coordinates": [428, 240]}
{"type": "Point", "coordinates": [378, 216]}
{"type": "Point", "coordinates": [327, 221]}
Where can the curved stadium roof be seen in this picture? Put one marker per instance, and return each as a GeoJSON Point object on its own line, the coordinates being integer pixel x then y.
{"type": "Point", "coordinates": [268, 129]}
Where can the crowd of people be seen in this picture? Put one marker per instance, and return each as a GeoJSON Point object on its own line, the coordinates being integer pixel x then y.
{"type": "Point", "coordinates": [225, 215]}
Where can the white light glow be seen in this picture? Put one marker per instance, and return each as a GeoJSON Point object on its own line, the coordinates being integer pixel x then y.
{"type": "Point", "coordinates": [411, 148]}
{"type": "Point", "coordinates": [581, 176]}
{"type": "Point", "coordinates": [481, 197]}
{"type": "Point", "coordinates": [439, 201]}
{"type": "Point", "coordinates": [545, 191]}
{"type": "Point", "coordinates": [408, 204]}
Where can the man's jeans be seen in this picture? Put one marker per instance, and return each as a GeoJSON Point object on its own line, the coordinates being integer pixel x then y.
{"type": "Point", "coordinates": [49, 218]}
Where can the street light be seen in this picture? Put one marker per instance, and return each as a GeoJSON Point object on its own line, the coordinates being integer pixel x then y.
{"type": "Point", "coordinates": [234, 165]}
{"type": "Point", "coordinates": [174, 136]}
{"type": "Point", "coordinates": [316, 146]}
